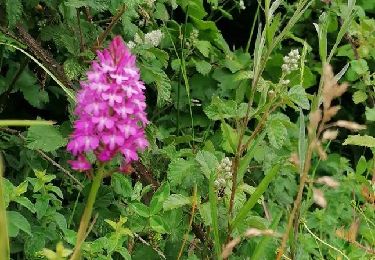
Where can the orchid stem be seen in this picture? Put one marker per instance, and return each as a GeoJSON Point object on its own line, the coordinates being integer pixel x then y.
{"type": "Point", "coordinates": [85, 220]}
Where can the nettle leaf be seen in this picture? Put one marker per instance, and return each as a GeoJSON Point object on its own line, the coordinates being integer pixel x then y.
{"type": "Point", "coordinates": [203, 67]}
{"type": "Point", "coordinates": [360, 140]}
{"type": "Point", "coordinates": [73, 69]}
{"type": "Point", "coordinates": [370, 114]}
{"type": "Point", "coordinates": [298, 96]}
{"type": "Point", "coordinates": [161, 80]}
{"type": "Point", "coordinates": [183, 172]}
{"type": "Point", "coordinates": [276, 130]}
{"type": "Point", "coordinates": [45, 138]}
{"type": "Point", "coordinates": [359, 66]}
{"type": "Point", "coordinates": [208, 162]}
{"type": "Point", "coordinates": [224, 109]}
{"type": "Point", "coordinates": [204, 47]}
{"type": "Point", "coordinates": [121, 185]}
{"type": "Point", "coordinates": [359, 97]}
{"type": "Point", "coordinates": [98, 5]}
{"type": "Point", "coordinates": [175, 201]}
{"type": "Point", "coordinates": [17, 222]}
{"type": "Point", "coordinates": [31, 91]}
{"type": "Point", "coordinates": [14, 11]}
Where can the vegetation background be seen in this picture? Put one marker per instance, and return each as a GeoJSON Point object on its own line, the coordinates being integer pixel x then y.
{"type": "Point", "coordinates": [256, 151]}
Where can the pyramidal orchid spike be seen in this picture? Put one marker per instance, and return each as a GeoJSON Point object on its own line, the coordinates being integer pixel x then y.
{"type": "Point", "coordinates": [111, 109]}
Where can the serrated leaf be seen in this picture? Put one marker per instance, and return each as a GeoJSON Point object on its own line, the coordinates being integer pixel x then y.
{"type": "Point", "coordinates": [359, 66]}
{"type": "Point", "coordinates": [73, 69]}
{"type": "Point", "coordinates": [121, 185]}
{"type": "Point", "coordinates": [359, 97]}
{"type": "Point", "coordinates": [208, 162]}
{"type": "Point", "coordinates": [203, 47]}
{"type": "Point", "coordinates": [17, 222]}
{"type": "Point", "coordinates": [180, 170]}
{"type": "Point", "coordinates": [298, 96]}
{"type": "Point", "coordinates": [360, 140]}
{"type": "Point", "coordinates": [223, 109]}
{"type": "Point", "coordinates": [175, 201]}
{"type": "Point", "coordinates": [276, 132]}
{"type": "Point", "coordinates": [203, 67]}
{"type": "Point", "coordinates": [45, 138]}
{"type": "Point", "coordinates": [13, 10]}
{"type": "Point", "coordinates": [98, 5]}
{"type": "Point", "coordinates": [161, 80]}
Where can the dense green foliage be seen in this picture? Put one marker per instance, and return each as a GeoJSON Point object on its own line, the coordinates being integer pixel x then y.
{"type": "Point", "coordinates": [207, 100]}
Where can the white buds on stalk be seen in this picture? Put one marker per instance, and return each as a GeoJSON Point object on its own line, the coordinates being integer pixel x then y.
{"type": "Point", "coordinates": [224, 173]}
{"type": "Point", "coordinates": [290, 62]}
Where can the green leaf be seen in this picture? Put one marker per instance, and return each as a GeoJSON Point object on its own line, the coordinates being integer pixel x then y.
{"type": "Point", "coordinates": [359, 97]}
{"type": "Point", "coordinates": [46, 138]}
{"type": "Point", "coordinates": [26, 203]}
{"type": "Point", "coordinates": [203, 67]}
{"type": "Point", "coordinates": [98, 5]}
{"type": "Point", "coordinates": [159, 197]}
{"type": "Point", "coordinates": [298, 96]}
{"type": "Point", "coordinates": [203, 47]}
{"type": "Point", "coordinates": [208, 162]}
{"type": "Point", "coordinates": [158, 224]}
{"type": "Point", "coordinates": [360, 140]}
{"type": "Point", "coordinates": [175, 201]}
{"type": "Point", "coordinates": [14, 11]}
{"type": "Point", "coordinates": [161, 12]}
{"type": "Point", "coordinates": [180, 170]}
{"type": "Point", "coordinates": [370, 114]}
{"type": "Point", "coordinates": [230, 138]}
{"type": "Point", "coordinates": [276, 132]}
{"type": "Point", "coordinates": [223, 109]}
{"type": "Point", "coordinates": [121, 185]}
{"type": "Point", "coordinates": [359, 66]}
{"type": "Point", "coordinates": [140, 209]}
{"type": "Point", "coordinates": [17, 222]}
{"type": "Point", "coordinates": [361, 166]}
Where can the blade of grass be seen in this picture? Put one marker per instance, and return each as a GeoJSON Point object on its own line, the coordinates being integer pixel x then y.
{"type": "Point", "coordinates": [69, 93]}
{"type": "Point", "coordinates": [4, 239]}
{"type": "Point", "coordinates": [214, 217]}
{"type": "Point", "coordinates": [250, 203]}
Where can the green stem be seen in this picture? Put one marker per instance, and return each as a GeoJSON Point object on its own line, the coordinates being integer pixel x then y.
{"type": "Point", "coordinates": [4, 239]}
{"type": "Point", "coordinates": [85, 220]}
{"type": "Point", "coordinates": [24, 122]}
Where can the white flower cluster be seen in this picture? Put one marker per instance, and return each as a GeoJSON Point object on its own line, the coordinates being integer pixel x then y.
{"type": "Point", "coordinates": [224, 173]}
{"type": "Point", "coordinates": [242, 5]}
{"type": "Point", "coordinates": [153, 38]}
{"type": "Point", "coordinates": [291, 61]}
